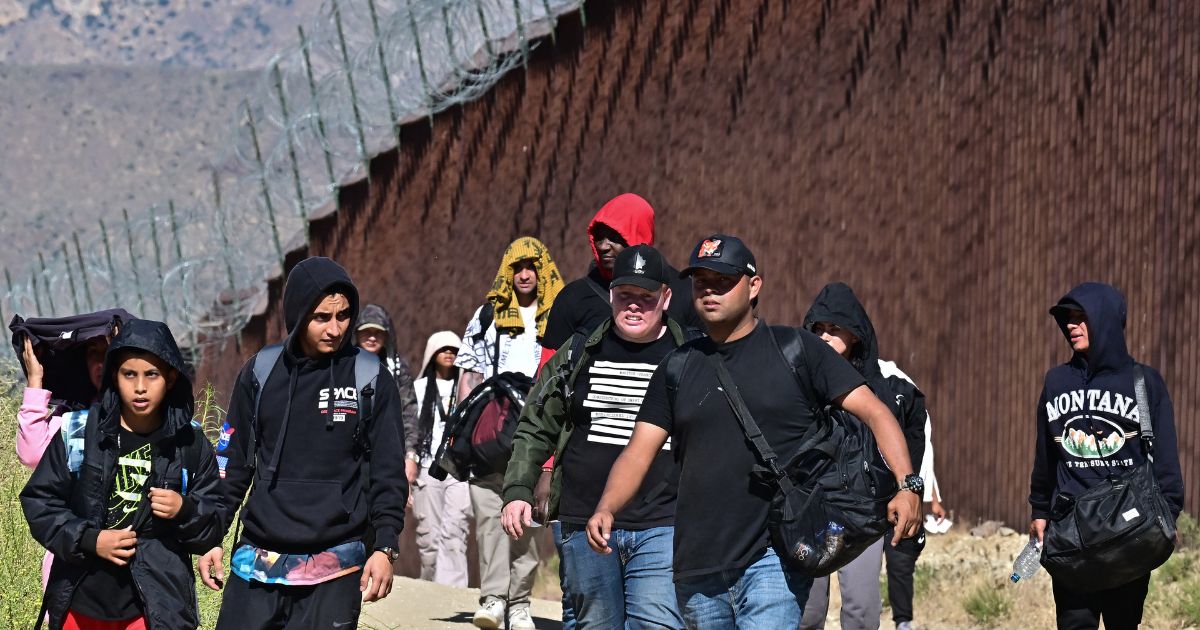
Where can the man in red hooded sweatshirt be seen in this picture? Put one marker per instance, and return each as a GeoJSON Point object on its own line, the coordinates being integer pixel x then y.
{"type": "Point", "coordinates": [583, 304]}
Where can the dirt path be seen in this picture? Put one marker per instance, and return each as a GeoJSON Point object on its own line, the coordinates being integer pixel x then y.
{"type": "Point", "coordinates": [419, 605]}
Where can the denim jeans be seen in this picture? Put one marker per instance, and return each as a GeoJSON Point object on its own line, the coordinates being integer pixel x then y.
{"type": "Point", "coordinates": [762, 595]}
{"type": "Point", "coordinates": [568, 614]}
{"type": "Point", "coordinates": [628, 588]}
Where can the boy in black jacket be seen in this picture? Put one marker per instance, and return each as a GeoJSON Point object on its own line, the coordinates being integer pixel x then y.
{"type": "Point", "coordinates": [320, 527]}
{"type": "Point", "coordinates": [1087, 430]}
{"type": "Point", "coordinates": [121, 526]}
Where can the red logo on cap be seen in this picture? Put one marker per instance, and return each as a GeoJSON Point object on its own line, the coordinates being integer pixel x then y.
{"type": "Point", "coordinates": [711, 247]}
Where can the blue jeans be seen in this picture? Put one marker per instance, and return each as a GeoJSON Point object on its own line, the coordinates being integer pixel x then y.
{"type": "Point", "coordinates": [568, 614]}
{"type": "Point", "coordinates": [628, 588]}
{"type": "Point", "coordinates": [763, 595]}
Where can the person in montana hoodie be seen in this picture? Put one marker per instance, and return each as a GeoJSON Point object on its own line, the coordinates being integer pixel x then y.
{"type": "Point", "coordinates": [122, 519]}
{"type": "Point", "coordinates": [1087, 430]}
{"type": "Point", "coordinates": [319, 529]}
{"type": "Point", "coordinates": [840, 320]}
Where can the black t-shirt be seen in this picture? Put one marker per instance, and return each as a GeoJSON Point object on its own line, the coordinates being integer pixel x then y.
{"type": "Point", "coordinates": [107, 592]}
{"type": "Point", "coordinates": [583, 305]}
{"type": "Point", "coordinates": [721, 514]}
{"type": "Point", "coordinates": [608, 394]}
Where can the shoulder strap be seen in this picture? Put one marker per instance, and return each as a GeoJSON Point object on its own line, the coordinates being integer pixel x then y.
{"type": "Point", "coordinates": [596, 288]}
{"type": "Point", "coordinates": [366, 369]}
{"type": "Point", "coordinates": [73, 429]}
{"type": "Point", "coordinates": [487, 315]}
{"type": "Point", "coordinates": [264, 364]}
{"type": "Point", "coordinates": [746, 421]}
{"type": "Point", "coordinates": [1143, 407]}
{"type": "Point", "coordinates": [366, 373]}
{"type": "Point", "coordinates": [788, 343]}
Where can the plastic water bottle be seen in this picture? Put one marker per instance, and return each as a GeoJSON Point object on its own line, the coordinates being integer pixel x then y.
{"type": "Point", "coordinates": [1028, 562]}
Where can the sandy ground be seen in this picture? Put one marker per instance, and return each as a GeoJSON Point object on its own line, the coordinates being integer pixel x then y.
{"type": "Point", "coordinates": [419, 605]}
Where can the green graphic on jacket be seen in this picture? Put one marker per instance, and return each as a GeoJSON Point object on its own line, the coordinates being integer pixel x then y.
{"type": "Point", "coordinates": [1092, 442]}
{"type": "Point", "coordinates": [129, 486]}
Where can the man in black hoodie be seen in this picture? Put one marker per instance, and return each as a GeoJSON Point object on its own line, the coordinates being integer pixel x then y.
{"type": "Point", "coordinates": [840, 320]}
{"type": "Point", "coordinates": [1086, 431]}
{"type": "Point", "coordinates": [320, 527]}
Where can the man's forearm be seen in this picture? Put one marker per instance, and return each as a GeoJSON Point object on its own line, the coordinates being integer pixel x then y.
{"type": "Point", "coordinates": [623, 481]}
{"type": "Point", "coordinates": [467, 382]}
{"type": "Point", "coordinates": [866, 407]}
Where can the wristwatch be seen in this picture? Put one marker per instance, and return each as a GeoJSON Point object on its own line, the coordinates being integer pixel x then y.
{"type": "Point", "coordinates": [412, 456]}
{"type": "Point", "coordinates": [914, 483]}
{"type": "Point", "coordinates": [391, 552]}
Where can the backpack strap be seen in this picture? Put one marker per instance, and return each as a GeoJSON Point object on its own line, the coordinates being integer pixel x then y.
{"type": "Point", "coordinates": [597, 289]}
{"type": "Point", "coordinates": [366, 374]}
{"type": "Point", "coordinates": [790, 346]}
{"type": "Point", "coordinates": [73, 429]}
{"type": "Point", "coordinates": [1143, 407]}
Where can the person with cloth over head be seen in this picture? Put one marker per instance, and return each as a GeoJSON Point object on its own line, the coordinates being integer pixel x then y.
{"type": "Point", "coordinates": [503, 336]}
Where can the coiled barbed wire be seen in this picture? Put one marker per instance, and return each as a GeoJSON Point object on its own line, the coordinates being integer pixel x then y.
{"type": "Point", "coordinates": [319, 112]}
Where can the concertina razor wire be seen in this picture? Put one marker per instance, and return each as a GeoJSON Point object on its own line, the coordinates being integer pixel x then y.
{"type": "Point", "coordinates": [318, 114]}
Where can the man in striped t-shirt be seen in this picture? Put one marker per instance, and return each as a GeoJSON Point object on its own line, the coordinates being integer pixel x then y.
{"type": "Point", "coordinates": [584, 408]}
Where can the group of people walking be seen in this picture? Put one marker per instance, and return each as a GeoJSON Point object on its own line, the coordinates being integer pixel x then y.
{"type": "Point", "coordinates": [631, 442]}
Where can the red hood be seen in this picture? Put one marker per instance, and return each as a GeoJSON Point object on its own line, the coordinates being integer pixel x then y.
{"type": "Point", "coordinates": [632, 218]}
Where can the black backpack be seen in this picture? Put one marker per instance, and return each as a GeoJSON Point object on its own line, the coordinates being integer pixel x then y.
{"type": "Point", "coordinates": [830, 501]}
{"type": "Point", "coordinates": [1117, 530]}
{"type": "Point", "coordinates": [479, 432]}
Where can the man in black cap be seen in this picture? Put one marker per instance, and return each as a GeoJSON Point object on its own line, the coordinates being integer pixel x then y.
{"type": "Point", "coordinates": [726, 573]}
{"type": "Point", "coordinates": [584, 407]}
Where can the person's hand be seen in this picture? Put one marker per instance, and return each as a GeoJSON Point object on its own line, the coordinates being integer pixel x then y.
{"type": "Point", "coordinates": [541, 497]}
{"type": "Point", "coordinates": [939, 512]}
{"type": "Point", "coordinates": [515, 517]}
{"type": "Point", "coordinates": [599, 528]}
{"type": "Point", "coordinates": [165, 503]}
{"type": "Point", "coordinates": [376, 580]}
{"type": "Point", "coordinates": [33, 366]}
{"type": "Point", "coordinates": [212, 572]}
{"type": "Point", "coordinates": [904, 512]}
{"type": "Point", "coordinates": [116, 545]}
{"type": "Point", "coordinates": [1037, 529]}
{"type": "Point", "coordinates": [411, 469]}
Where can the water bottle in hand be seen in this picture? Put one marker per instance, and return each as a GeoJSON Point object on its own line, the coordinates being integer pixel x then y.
{"type": "Point", "coordinates": [1028, 562]}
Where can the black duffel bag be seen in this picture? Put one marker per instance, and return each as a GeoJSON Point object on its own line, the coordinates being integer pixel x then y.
{"type": "Point", "coordinates": [831, 498]}
{"type": "Point", "coordinates": [1116, 531]}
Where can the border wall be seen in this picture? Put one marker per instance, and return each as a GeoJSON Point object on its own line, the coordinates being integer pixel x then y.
{"type": "Point", "coordinates": [961, 165]}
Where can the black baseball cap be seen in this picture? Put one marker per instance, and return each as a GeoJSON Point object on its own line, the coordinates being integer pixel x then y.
{"type": "Point", "coordinates": [723, 254]}
{"type": "Point", "coordinates": [642, 266]}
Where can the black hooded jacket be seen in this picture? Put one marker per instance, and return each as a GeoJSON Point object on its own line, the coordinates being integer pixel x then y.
{"type": "Point", "coordinates": [309, 493]}
{"type": "Point", "coordinates": [1087, 414]}
{"type": "Point", "coordinates": [66, 512]}
{"type": "Point", "coordinates": [837, 304]}
{"type": "Point", "coordinates": [401, 373]}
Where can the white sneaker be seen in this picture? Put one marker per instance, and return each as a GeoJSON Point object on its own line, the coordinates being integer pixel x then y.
{"type": "Point", "coordinates": [491, 616]}
{"type": "Point", "coordinates": [519, 619]}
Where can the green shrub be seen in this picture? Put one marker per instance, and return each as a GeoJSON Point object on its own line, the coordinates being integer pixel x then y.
{"type": "Point", "coordinates": [20, 556]}
{"type": "Point", "coordinates": [1189, 531]}
{"type": "Point", "coordinates": [1176, 568]}
{"type": "Point", "coordinates": [987, 604]}
{"type": "Point", "coordinates": [1187, 608]}
{"type": "Point", "coordinates": [923, 579]}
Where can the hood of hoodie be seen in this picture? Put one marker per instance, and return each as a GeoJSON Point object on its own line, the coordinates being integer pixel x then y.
{"type": "Point", "coordinates": [437, 341]}
{"type": "Point", "coordinates": [630, 216]}
{"type": "Point", "coordinates": [376, 314]}
{"type": "Point", "coordinates": [837, 304]}
{"type": "Point", "coordinates": [1106, 312]}
{"type": "Point", "coordinates": [156, 338]}
{"type": "Point", "coordinates": [307, 284]}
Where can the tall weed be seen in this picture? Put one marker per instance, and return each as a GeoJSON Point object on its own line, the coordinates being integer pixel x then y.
{"type": "Point", "coordinates": [987, 604]}
{"type": "Point", "coordinates": [20, 556]}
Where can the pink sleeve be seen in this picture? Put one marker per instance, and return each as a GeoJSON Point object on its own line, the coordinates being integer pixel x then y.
{"type": "Point", "coordinates": [35, 426]}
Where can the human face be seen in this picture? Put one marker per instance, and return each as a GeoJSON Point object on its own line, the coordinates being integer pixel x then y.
{"type": "Point", "coordinates": [638, 313]}
{"type": "Point", "coordinates": [327, 326]}
{"type": "Point", "coordinates": [1077, 331]}
{"type": "Point", "coordinates": [524, 278]}
{"type": "Point", "coordinates": [94, 356]}
{"type": "Point", "coordinates": [445, 357]}
{"type": "Point", "coordinates": [721, 298]}
{"type": "Point", "coordinates": [838, 338]}
{"type": "Point", "coordinates": [371, 339]}
{"type": "Point", "coordinates": [608, 243]}
{"type": "Point", "coordinates": [143, 381]}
